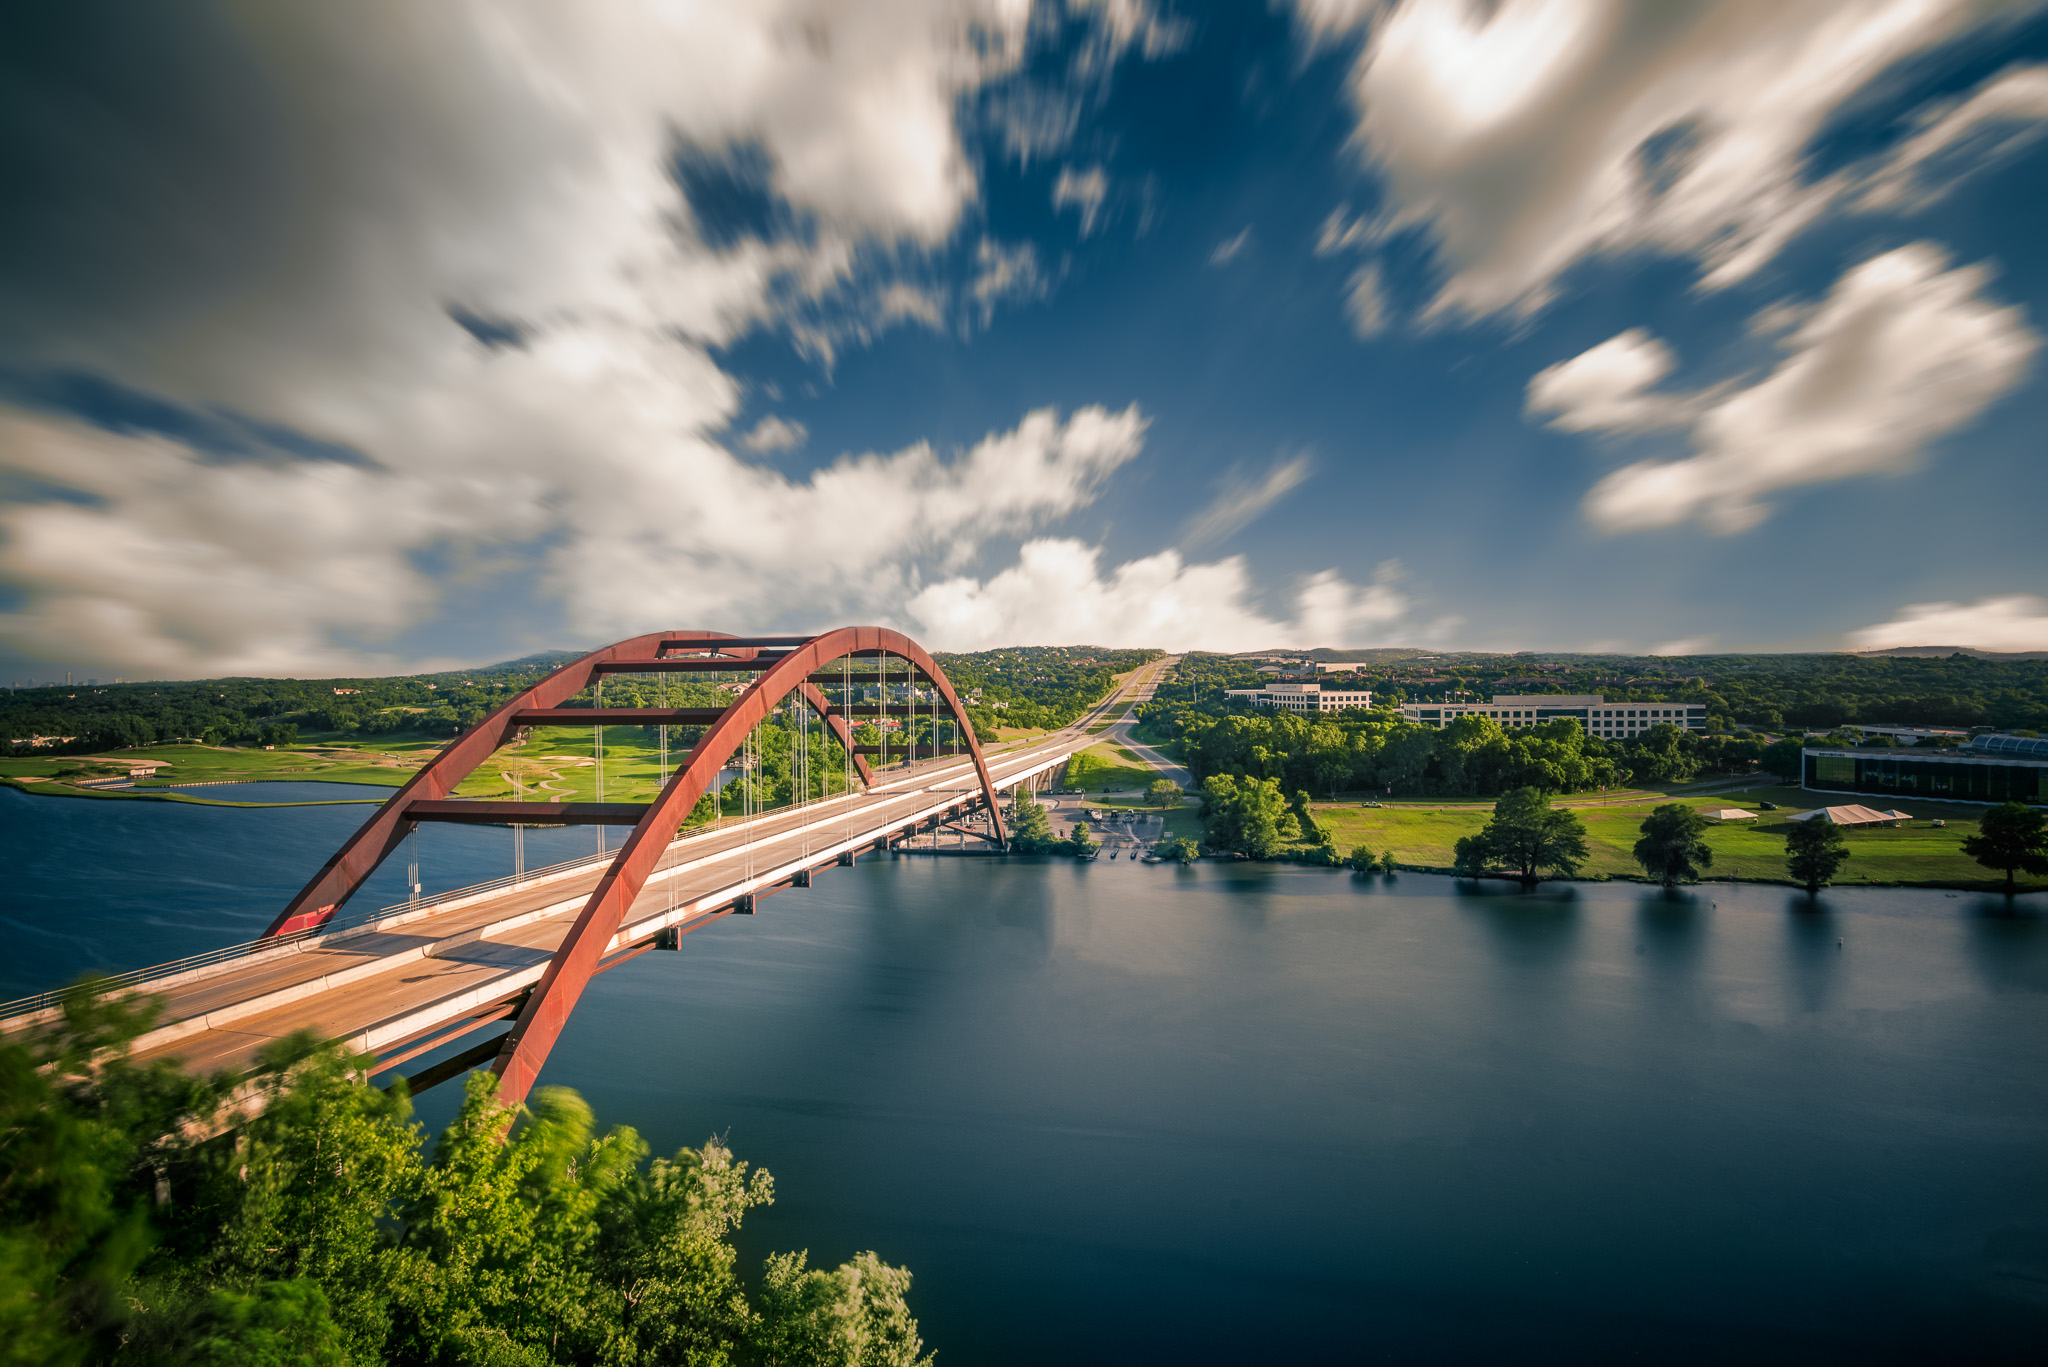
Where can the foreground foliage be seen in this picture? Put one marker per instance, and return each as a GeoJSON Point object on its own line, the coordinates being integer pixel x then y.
{"type": "Point", "coordinates": [134, 1228]}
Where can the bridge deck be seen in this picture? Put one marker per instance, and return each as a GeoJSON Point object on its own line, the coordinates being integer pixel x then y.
{"type": "Point", "coordinates": [417, 980]}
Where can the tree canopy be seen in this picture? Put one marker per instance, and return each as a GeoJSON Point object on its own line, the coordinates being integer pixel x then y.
{"type": "Point", "coordinates": [1526, 835]}
{"type": "Point", "coordinates": [1673, 848]}
{"type": "Point", "coordinates": [2010, 838]}
{"type": "Point", "coordinates": [1246, 816]}
{"type": "Point", "coordinates": [1815, 851]}
{"type": "Point", "coordinates": [140, 1223]}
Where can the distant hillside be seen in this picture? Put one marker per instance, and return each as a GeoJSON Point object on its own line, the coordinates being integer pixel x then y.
{"type": "Point", "coordinates": [1943, 652]}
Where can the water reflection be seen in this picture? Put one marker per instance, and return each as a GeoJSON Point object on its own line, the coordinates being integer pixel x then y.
{"type": "Point", "coordinates": [1531, 928]}
{"type": "Point", "coordinates": [1669, 935]}
{"type": "Point", "coordinates": [2009, 944]}
{"type": "Point", "coordinates": [1813, 952]}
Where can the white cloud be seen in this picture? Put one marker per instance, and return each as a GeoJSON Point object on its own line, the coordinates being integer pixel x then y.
{"type": "Point", "coordinates": [1365, 302]}
{"type": "Point", "coordinates": [187, 567]}
{"type": "Point", "coordinates": [1084, 190]}
{"type": "Point", "coordinates": [1241, 500]}
{"type": "Point", "coordinates": [1902, 350]}
{"type": "Point", "coordinates": [1123, 24]}
{"type": "Point", "coordinates": [1687, 645]}
{"type": "Point", "coordinates": [1004, 273]}
{"type": "Point", "coordinates": [1056, 594]}
{"type": "Point", "coordinates": [2002, 116]}
{"type": "Point", "coordinates": [1527, 135]}
{"type": "Point", "coordinates": [1341, 232]}
{"type": "Point", "coordinates": [1607, 388]}
{"type": "Point", "coordinates": [2017, 621]}
{"type": "Point", "coordinates": [775, 434]}
{"type": "Point", "coordinates": [516, 160]}
{"type": "Point", "coordinates": [1227, 250]}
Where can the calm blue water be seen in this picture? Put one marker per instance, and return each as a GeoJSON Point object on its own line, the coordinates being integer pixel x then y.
{"type": "Point", "coordinates": [278, 790]}
{"type": "Point", "coordinates": [112, 885]}
{"type": "Point", "coordinates": [1116, 1113]}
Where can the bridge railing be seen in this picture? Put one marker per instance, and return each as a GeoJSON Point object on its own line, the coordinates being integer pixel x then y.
{"type": "Point", "coordinates": [340, 927]}
{"type": "Point", "coordinates": [344, 925]}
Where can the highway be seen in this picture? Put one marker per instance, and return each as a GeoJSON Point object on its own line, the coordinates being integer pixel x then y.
{"type": "Point", "coordinates": [417, 980]}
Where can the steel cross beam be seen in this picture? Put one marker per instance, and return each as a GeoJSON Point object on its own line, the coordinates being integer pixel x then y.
{"type": "Point", "coordinates": [346, 870]}
{"type": "Point", "coordinates": [582, 952]}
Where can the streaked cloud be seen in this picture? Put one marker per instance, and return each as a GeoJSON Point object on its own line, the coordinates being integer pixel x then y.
{"type": "Point", "coordinates": [1058, 593]}
{"type": "Point", "coordinates": [1241, 500]}
{"type": "Point", "coordinates": [1608, 388]}
{"type": "Point", "coordinates": [1903, 350]}
{"type": "Point", "coordinates": [1082, 190]}
{"type": "Point", "coordinates": [1227, 250]}
{"type": "Point", "coordinates": [1528, 135]}
{"type": "Point", "coordinates": [2014, 621]}
{"type": "Point", "coordinates": [775, 434]}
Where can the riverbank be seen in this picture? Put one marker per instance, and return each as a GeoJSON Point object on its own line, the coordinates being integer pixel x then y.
{"type": "Point", "coordinates": [1918, 854]}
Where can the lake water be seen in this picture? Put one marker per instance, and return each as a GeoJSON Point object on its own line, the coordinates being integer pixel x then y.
{"type": "Point", "coordinates": [1126, 1113]}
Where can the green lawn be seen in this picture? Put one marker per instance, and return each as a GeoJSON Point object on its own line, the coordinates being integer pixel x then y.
{"type": "Point", "coordinates": [390, 765]}
{"type": "Point", "coordinates": [1423, 837]}
{"type": "Point", "coordinates": [1103, 767]}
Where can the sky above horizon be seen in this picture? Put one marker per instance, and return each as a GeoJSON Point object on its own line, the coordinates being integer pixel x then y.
{"type": "Point", "coordinates": [379, 337]}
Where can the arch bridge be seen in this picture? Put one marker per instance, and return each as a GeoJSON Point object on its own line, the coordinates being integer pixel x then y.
{"type": "Point", "coordinates": [405, 981]}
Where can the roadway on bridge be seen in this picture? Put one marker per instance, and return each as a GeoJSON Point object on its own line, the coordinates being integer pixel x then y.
{"type": "Point", "coordinates": [414, 982]}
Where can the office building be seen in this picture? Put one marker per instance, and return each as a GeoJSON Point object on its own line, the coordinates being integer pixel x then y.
{"type": "Point", "coordinates": [1610, 721]}
{"type": "Point", "coordinates": [1988, 769]}
{"type": "Point", "coordinates": [1303, 697]}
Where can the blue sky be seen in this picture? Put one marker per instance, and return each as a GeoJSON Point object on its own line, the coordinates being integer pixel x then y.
{"type": "Point", "coordinates": [1536, 324]}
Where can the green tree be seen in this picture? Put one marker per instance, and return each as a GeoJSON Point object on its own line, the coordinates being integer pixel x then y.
{"type": "Point", "coordinates": [1079, 841]}
{"type": "Point", "coordinates": [1527, 835]}
{"type": "Point", "coordinates": [1164, 792]}
{"type": "Point", "coordinates": [141, 1223]}
{"type": "Point", "coordinates": [1784, 758]}
{"type": "Point", "coordinates": [1029, 827]}
{"type": "Point", "coordinates": [2010, 837]}
{"type": "Point", "coordinates": [1673, 848]}
{"type": "Point", "coordinates": [1177, 848]}
{"type": "Point", "coordinates": [1363, 860]}
{"type": "Point", "coordinates": [1815, 851]}
{"type": "Point", "coordinates": [1246, 816]}
{"type": "Point", "coordinates": [854, 1316]}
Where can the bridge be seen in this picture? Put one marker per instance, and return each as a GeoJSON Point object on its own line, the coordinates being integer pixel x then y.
{"type": "Point", "coordinates": [411, 980]}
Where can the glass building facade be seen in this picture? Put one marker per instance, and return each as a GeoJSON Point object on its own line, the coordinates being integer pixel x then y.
{"type": "Point", "coordinates": [1952, 777]}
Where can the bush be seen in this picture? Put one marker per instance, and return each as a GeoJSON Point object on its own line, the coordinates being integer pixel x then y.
{"type": "Point", "coordinates": [322, 1231]}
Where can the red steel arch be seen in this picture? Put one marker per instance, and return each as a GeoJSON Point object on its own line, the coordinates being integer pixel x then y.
{"type": "Point", "coordinates": [785, 663]}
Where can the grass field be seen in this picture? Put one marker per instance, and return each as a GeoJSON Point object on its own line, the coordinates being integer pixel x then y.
{"type": "Point", "coordinates": [1422, 836]}
{"type": "Point", "coordinates": [390, 764]}
{"type": "Point", "coordinates": [1105, 767]}
{"type": "Point", "coordinates": [553, 764]}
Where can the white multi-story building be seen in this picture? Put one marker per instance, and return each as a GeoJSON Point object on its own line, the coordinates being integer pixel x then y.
{"type": "Point", "coordinates": [1303, 697]}
{"type": "Point", "coordinates": [1611, 721]}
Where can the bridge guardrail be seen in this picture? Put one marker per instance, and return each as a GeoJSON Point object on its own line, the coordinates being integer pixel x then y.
{"type": "Point", "coordinates": [342, 926]}
{"type": "Point", "coordinates": [338, 927]}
